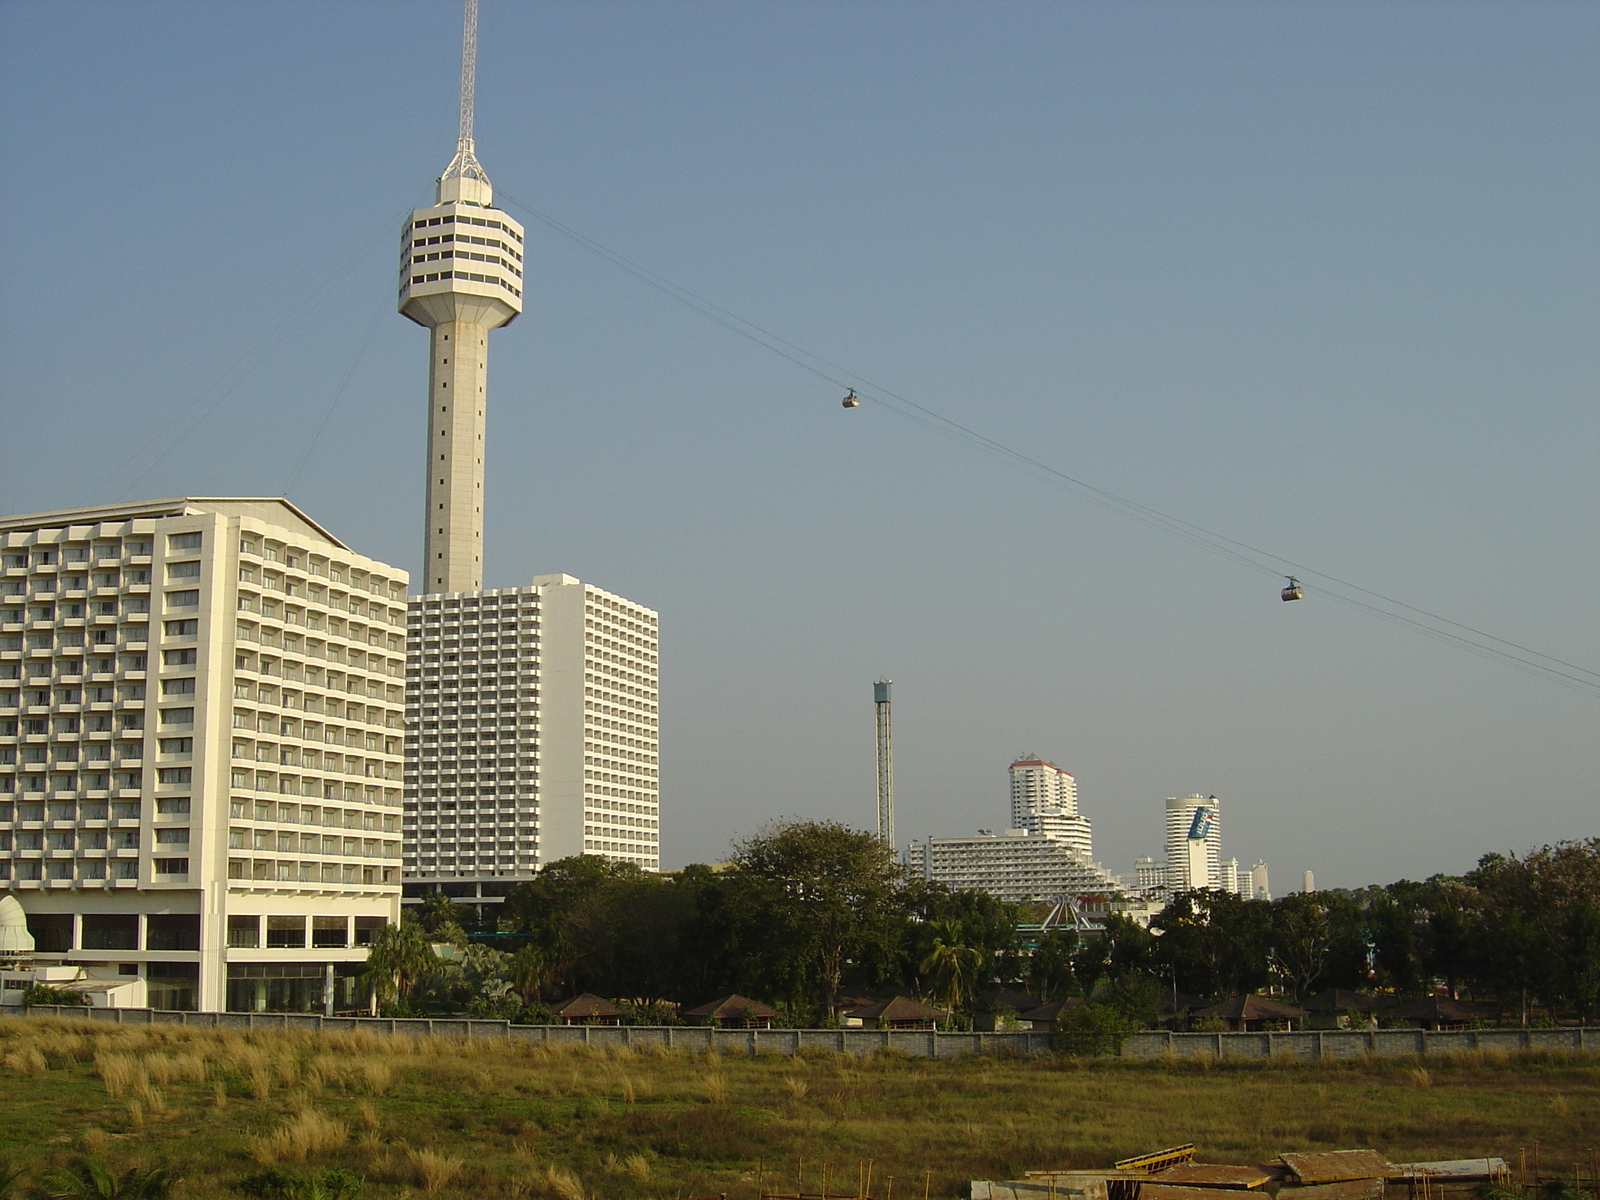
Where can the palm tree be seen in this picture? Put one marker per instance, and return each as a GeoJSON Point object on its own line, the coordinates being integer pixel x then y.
{"type": "Point", "coordinates": [398, 957]}
{"type": "Point", "coordinates": [91, 1179]}
{"type": "Point", "coordinates": [951, 961]}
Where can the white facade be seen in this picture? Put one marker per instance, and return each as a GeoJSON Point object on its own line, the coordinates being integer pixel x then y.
{"type": "Point", "coordinates": [1044, 801]}
{"type": "Point", "coordinates": [1018, 867]}
{"type": "Point", "coordinates": [1149, 873]}
{"type": "Point", "coordinates": [1254, 884]}
{"type": "Point", "coordinates": [201, 723]}
{"type": "Point", "coordinates": [533, 735]}
{"type": "Point", "coordinates": [1181, 875]}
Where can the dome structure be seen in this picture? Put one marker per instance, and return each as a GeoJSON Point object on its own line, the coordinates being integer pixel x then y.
{"type": "Point", "coordinates": [14, 935]}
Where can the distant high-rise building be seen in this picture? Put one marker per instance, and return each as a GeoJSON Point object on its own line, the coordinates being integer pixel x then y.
{"type": "Point", "coordinates": [201, 724]}
{"type": "Point", "coordinates": [1044, 801]}
{"type": "Point", "coordinates": [1201, 867]}
{"type": "Point", "coordinates": [1310, 883]}
{"type": "Point", "coordinates": [1259, 887]}
{"type": "Point", "coordinates": [1018, 866]}
{"type": "Point", "coordinates": [1149, 873]}
{"type": "Point", "coordinates": [533, 738]}
{"type": "Point", "coordinates": [1230, 875]}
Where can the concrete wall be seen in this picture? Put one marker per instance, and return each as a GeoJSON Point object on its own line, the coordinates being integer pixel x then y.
{"type": "Point", "coordinates": [917, 1043]}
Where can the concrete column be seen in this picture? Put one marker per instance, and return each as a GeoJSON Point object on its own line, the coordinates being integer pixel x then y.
{"type": "Point", "coordinates": [453, 535]}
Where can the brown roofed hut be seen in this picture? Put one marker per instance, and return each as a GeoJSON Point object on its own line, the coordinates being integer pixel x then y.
{"type": "Point", "coordinates": [1254, 1014]}
{"type": "Point", "coordinates": [989, 1007]}
{"type": "Point", "coordinates": [1048, 1017]}
{"type": "Point", "coordinates": [1333, 1008]}
{"type": "Point", "coordinates": [1436, 1012]}
{"type": "Point", "coordinates": [733, 1012]}
{"type": "Point", "coordinates": [899, 1013]}
{"type": "Point", "coordinates": [587, 1009]}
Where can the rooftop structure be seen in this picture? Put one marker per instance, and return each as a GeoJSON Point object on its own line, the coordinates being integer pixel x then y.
{"type": "Point", "coordinates": [1017, 866]}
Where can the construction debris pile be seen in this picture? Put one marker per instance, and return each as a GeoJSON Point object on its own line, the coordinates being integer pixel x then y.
{"type": "Point", "coordinates": [1331, 1175]}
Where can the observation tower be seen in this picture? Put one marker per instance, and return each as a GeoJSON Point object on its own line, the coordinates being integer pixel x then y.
{"type": "Point", "coordinates": [460, 276]}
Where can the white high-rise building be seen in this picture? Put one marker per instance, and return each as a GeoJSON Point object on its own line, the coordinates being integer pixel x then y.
{"type": "Point", "coordinates": [1018, 867]}
{"type": "Point", "coordinates": [532, 711]}
{"type": "Point", "coordinates": [1044, 801]}
{"type": "Point", "coordinates": [1199, 867]}
{"type": "Point", "coordinates": [533, 735]}
{"type": "Point", "coordinates": [201, 724]}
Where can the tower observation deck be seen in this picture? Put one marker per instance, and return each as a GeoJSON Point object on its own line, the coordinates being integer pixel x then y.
{"type": "Point", "coordinates": [460, 276]}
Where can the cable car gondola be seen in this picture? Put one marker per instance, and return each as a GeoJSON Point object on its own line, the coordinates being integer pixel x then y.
{"type": "Point", "coordinates": [1293, 591]}
{"type": "Point", "coordinates": [852, 400]}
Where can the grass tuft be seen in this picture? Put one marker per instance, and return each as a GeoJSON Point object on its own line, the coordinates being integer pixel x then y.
{"type": "Point", "coordinates": [434, 1171]}
{"type": "Point", "coordinates": [306, 1133]}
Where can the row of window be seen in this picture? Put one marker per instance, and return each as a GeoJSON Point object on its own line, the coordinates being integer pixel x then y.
{"type": "Point", "coordinates": [448, 238]}
{"type": "Point", "coordinates": [335, 572]}
{"type": "Point", "coordinates": [284, 871]}
{"type": "Point", "coordinates": [467, 254]}
{"type": "Point", "coordinates": [54, 555]}
{"type": "Point", "coordinates": [463, 219]}
{"type": "Point", "coordinates": [26, 870]}
{"type": "Point", "coordinates": [475, 278]}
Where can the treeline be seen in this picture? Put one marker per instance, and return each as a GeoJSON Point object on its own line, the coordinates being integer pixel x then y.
{"type": "Point", "coordinates": [810, 913]}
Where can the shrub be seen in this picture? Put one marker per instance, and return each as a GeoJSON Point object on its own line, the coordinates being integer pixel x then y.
{"type": "Point", "coordinates": [43, 993]}
{"type": "Point", "coordinates": [92, 1179]}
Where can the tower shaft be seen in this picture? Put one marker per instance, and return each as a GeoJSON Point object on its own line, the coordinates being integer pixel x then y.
{"type": "Point", "coordinates": [881, 703]}
{"type": "Point", "coordinates": [453, 537]}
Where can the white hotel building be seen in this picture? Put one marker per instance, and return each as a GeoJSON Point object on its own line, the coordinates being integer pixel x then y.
{"type": "Point", "coordinates": [533, 722]}
{"type": "Point", "coordinates": [201, 736]}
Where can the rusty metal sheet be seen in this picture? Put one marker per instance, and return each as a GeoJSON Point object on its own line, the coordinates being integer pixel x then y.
{"type": "Point", "coordinates": [1213, 1175]}
{"type": "Point", "coordinates": [1151, 1190]}
{"type": "Point", "coordinates": [1331, 1166]}
{"type": "Point", "coordinates": [1454, 1170]}
{"type": "Point", "coordinates": [1345, 1189]}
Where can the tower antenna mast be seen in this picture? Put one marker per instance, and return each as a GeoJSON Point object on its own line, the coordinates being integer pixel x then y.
{"type": "Point", "coordinates": [880, 702]}
{"type": "Point", "coordinates": [465, 164]}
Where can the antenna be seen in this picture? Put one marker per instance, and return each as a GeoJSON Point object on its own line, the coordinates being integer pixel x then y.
{"type": "Point", "coordinates": [880, 702]}
{"type": "Point", "coordinates": [469, 73]}
{"type": "Point", "coordinates": [465, 164]}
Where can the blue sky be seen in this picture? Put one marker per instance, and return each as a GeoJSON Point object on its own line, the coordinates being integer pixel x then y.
{"type": "Point", "coordinates": [1322, 277]}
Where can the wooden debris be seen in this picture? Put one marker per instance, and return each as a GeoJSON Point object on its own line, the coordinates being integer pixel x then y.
{"type": "Point", "coordinates": [1334, 1166]}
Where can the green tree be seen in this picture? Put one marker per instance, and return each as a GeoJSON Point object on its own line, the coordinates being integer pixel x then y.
{"type": "Point", "coordinates": [820, 896]}
{"type": "Point", "coordinates": [1049, 971]}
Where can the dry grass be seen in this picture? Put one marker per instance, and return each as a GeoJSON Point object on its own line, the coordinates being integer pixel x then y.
{"type": "Point", "coordinates": [434, 1170]}
{"type": "Point", "coordinates": [570, 1124]}
{"type": "Point", "coordinates": [303, 1135]}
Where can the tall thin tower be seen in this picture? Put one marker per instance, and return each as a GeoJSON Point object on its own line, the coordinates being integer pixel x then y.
{"type": "Point", "coordinates": [880, 702]}
{"type": "Point", "coordinates": [461, 276]}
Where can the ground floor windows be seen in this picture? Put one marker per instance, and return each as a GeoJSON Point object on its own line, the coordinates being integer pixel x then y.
{"type": "Point", "coordinates": [298, 987]}
{"type": "Point", "coordinates": [172, 986]}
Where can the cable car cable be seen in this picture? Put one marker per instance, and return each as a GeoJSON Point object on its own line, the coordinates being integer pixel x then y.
{"type": "Point", "coordinates": [1578, 677]}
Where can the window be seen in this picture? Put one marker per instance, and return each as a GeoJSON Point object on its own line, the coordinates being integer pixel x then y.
{"type": "Point", "coordinates": [184, 541]}
{"type": "Point", "coordinates": [171, 775]}
{"type": "Point", "coordinates": [188, 628]}
{"type": "Point", "coordinates": [171, 866]}
{"type": "Point", "coordinates": [177, 745]}
{"type": "Point", "coordinates": [172, 837]}
{"type": "Point", "coordinates": [173, 687]}
{"type": "Point", "coordinates": [244, 933]}
{"type": "Point", "coordinates": [110, 931]}
{"type": "Point", "coordinates": [183, 570]}
{"type": "Point", "coordinates": [173, 804]}
{"type": "Point", "coordinates": [286, 932]}
{"type": "Point", "coordinates": [330, 932]}
{"type": "Point", "coordinates": [177, 716]}
{"type": "Point", "coordinates": [178, 658]}
{"type": "Point", "coordinates": [186, 599]}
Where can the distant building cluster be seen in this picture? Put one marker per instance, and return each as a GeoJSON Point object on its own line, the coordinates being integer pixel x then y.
{"type": "Point", "coordinates": [1047, 853]}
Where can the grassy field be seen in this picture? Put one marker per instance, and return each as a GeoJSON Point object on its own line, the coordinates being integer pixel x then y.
{"type": "Point", "coordinates": [447, 1118]}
